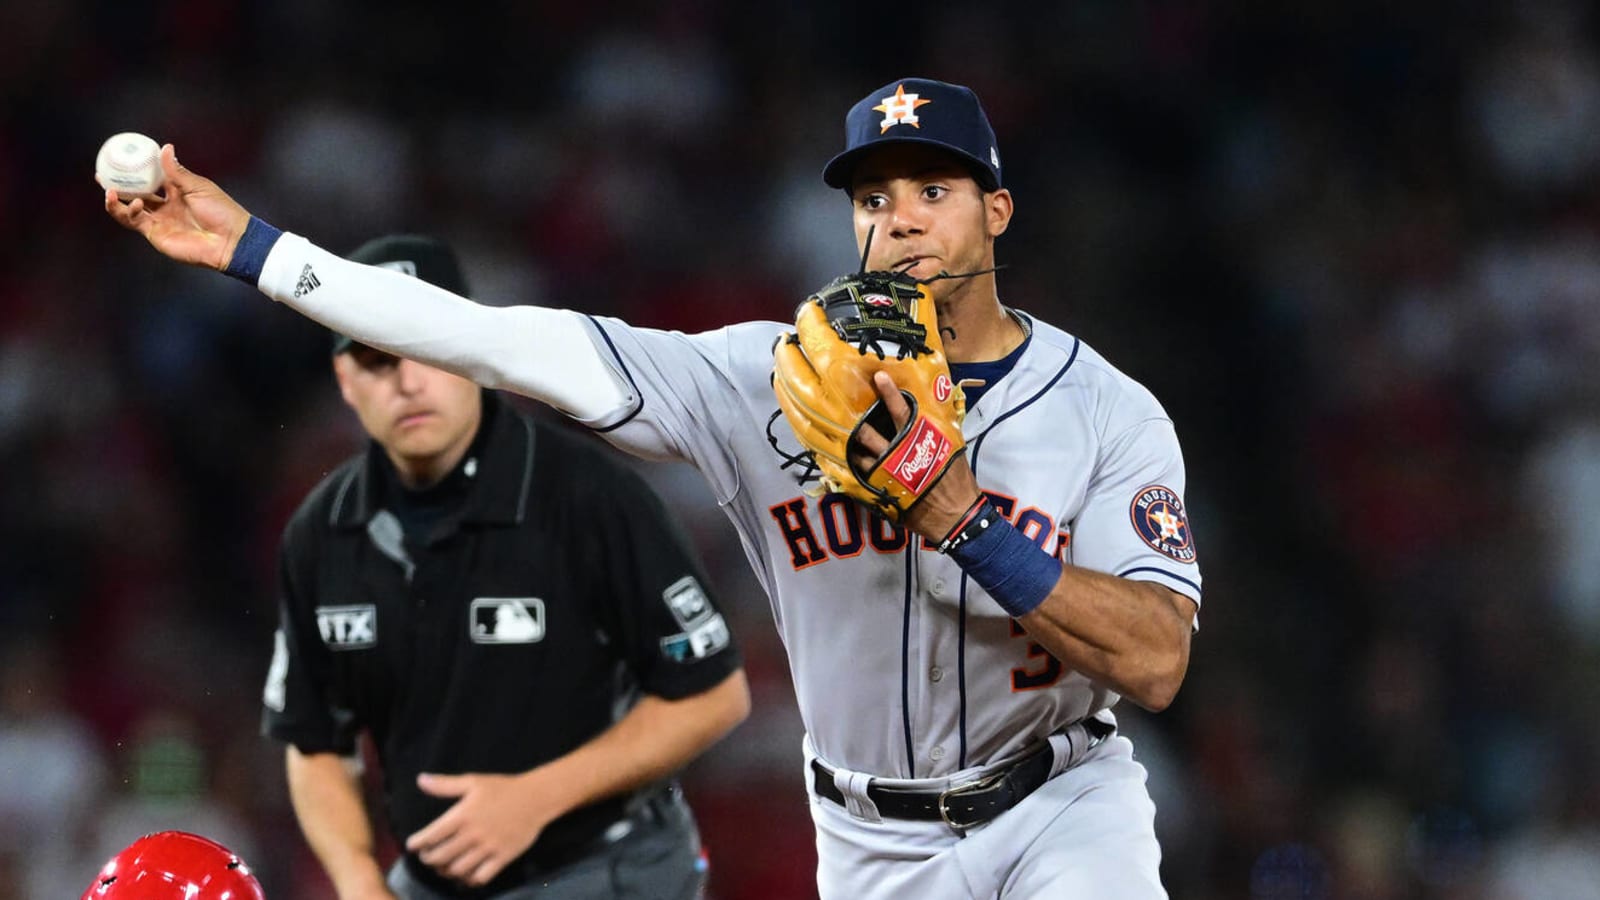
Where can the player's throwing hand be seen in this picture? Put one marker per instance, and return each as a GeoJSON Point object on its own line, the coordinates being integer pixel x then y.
{"type": "Point", "coordinates": [191, 220]}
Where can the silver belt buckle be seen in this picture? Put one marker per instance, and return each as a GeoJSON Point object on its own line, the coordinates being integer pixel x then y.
{"type": "Point", "coordinates": [971, 787]}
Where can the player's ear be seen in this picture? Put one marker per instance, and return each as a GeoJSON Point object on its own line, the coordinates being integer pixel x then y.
{"type": "Point", "coordinates": [997, 211]}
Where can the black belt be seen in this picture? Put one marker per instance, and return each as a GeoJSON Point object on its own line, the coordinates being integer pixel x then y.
{"type": "Point", "coordinates": [965, 805]}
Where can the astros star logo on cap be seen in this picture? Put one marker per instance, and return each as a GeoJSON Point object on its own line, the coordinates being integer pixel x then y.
{"type": "Point", "coordinates": [900, 109]}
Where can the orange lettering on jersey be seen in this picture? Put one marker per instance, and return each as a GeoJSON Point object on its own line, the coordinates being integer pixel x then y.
{"type": "Point", "coordinates": [1043, 674]}
{"type": "Point", "coordinates": [804, 551]}
{"type": "Point", "coordinates": [1036, 524]}
{"type": "Point", "coordinates": [1064, 545]}
{"type": "Point", "coordinates": [845, 529]}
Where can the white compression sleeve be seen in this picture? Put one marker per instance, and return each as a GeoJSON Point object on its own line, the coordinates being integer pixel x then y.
{"type": "Point", "coordinates": [541, 353]}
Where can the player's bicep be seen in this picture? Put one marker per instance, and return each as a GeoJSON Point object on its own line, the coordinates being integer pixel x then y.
{"type": "Point", "coordinates": [1133, 522]}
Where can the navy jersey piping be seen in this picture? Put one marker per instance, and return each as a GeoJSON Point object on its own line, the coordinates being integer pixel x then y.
{"type": "Point", "coordinates": [1126, 572]}
{"type": "Point", "coordinates": [625, 373]}
{"type": "Point", "coordinates": [961, 665]}
{"type": "Point", "coordinates": [975, 446]}
{"type": "Point", "coordinates": [975, 442]}
{"type": "Point", "coordinates": [905, 659]}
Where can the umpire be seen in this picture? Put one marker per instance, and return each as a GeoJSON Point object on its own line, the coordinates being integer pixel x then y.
{"type": "Point", "coordinates": [514, 619]}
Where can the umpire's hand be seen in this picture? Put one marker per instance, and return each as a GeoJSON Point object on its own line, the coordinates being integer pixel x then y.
{"type": "Point", "coordinates": [494, 820]}
{"type": "Point", "coordinates": [192, 220]}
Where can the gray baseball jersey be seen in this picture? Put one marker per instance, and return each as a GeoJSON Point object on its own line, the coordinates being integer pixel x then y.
{"type": "Point", "coordinates": [904, 668]}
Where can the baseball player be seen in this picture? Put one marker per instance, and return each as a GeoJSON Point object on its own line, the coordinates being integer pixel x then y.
{"type": "Point", "coordinates": [958, 705]}
{"type": "Point", "coordinates": [507, 612]}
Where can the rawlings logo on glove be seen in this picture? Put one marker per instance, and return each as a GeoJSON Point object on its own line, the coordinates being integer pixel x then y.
{"type": "Point", "coordinates": [928, 452]}
{"type": "Point", "coordinates": [854, 327]}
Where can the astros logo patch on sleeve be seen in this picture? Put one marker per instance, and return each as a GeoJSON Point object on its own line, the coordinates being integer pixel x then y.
{"type": "Point", "coordinates": [1158, 517]}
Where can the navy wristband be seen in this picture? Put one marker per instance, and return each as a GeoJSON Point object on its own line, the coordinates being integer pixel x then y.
{"type": "Point", "coordinates": [251, 252]}
{"type": "Point", "coordinates": [1015, 571]}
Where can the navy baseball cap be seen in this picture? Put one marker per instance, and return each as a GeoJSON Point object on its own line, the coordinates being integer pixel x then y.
{"type": "Point", "coordinates": [422, 257]}
{"type": "Point", "coordinates": [919, 111]}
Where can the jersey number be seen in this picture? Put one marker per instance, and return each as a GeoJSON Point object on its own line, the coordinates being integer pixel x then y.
{"type": "Point", "coordinates": [1043, 674]}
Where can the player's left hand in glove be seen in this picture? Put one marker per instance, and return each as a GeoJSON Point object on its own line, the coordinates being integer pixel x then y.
{"type": "Point", "coordinates": [847, 332]}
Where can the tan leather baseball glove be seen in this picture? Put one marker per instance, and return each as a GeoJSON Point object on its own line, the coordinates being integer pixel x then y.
{"type": "Point", "coordinates": [822, 375]}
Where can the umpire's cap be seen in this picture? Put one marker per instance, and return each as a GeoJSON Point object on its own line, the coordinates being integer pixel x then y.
{"type": "Point", "coordinates": [416, 255]}
{"type": "Point", "coordinates": [919, 111]}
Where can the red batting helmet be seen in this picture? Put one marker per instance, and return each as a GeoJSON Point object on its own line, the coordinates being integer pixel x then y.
{"type": "Point", "coordinates": [174, 865]}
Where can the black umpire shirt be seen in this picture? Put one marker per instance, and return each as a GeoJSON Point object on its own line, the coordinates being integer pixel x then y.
{"type": "Point", "coordinates": [490, 624]}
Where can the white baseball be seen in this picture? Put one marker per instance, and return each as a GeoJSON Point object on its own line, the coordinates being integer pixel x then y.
{"type": "Point", "coordinates": [130, 164]}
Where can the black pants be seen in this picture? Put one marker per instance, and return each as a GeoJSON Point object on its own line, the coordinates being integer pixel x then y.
{"type": "Point", "coordinates": [658, 860]}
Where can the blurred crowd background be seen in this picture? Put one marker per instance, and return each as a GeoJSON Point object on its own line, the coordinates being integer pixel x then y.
{"type": "Point", "coordinates": [1354, 248]}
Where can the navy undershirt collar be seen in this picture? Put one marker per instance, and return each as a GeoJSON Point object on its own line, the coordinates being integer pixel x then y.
{"type": "Point", "coordinates": [988, 372]}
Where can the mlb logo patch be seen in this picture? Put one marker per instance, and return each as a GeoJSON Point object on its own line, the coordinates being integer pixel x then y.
{"type": "Point", "coordinates": [352, 627]}
{"type": "Point", "coordinates": [506, 620]}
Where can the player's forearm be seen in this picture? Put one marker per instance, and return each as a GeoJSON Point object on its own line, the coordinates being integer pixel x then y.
{"type": "Point", "coordinates": [541, 353]}
{"type": "Point", "coordinates": [1132, 636]}
{"type": "Point", "coordinates": [327, 802]}
{"type": "Point", "coordinates": [656, 738]}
